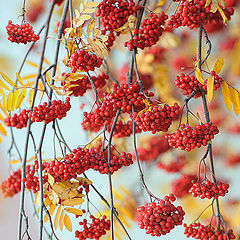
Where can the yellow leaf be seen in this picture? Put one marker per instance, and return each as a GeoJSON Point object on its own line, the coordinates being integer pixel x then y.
{"type": "Point", "coordinates": [73, 202]}
{"type": "Point", "coordinates": [207, 3]}
{"type": "Point", "coordinates": [57, 217]}
{"type": "Point", "coordinates": [0, 139]}
{"type": "Point", "coordinates": [199, 76]}
{"type": "Point", "coordinates": [4, 102]}
{"type": "Point", "coordinates": [210, 83]}
{"type": "Point", "coordinates": [51, 179]}
{"type": "Point", "coordinates": [32, 63]}
{"type": "Point", "coordinates": [73, 193]}
{"type": "Point", "coordinates": [4, 110]}
{"type": "Point", "coordinates": [84, 180]}
{"type": "Point", "coordinates": [89, 10]}
{"type": "Point", "coordinates": [47, 201]}
{"type": "Point", "coordinates": [97, 32]}
{"type": "Point", "coordinates": [1, 91]}
{"type": "Point", "coordinates": [8, 80]}
{"type": "Point", "coordinates": [77, 13]}
{"type": "Point", "coordinates": [226, 96]}
{"type": "Point", "coordinates": [221, 3]}
{"type": "Point", "coordinates": [214, 6]}
{"type": "Point", "coordinates": [60, 190]}
{"type": "Point", "coordinates": [21, 98]}
{"type": "Point", "coordinates": [9, 101]}
{"type": "Point", "coordinates": [2, 84]}
{"type": "Point", "coordinates": [3, 130]}
{"type": "Point", "coordinates": [61, 220]}
{"type": "Point", "coordinates": [90, 27]}
{"type": "Point", "coordinates": [1, 117]}
{"type": "Point", "coordinates": [53, 196]}
{"type": "Point", "coordinates": [48, 79]}
{"type": "Point", "coordinates": [74, 211]}
{"type": "Point", "coordinates": [13, 161]}
{"type": "Point", "coordinates": [19, 79]}
{"type": "Point", "coordinates": [15, 97]}
{"type": "Point", "coordinates": [82, 19]}
{"type": "Point", "coordinates": [92, 4]}
{"type": "Point", "coordinates": [223, 15]}
{"type": "Point", "coordinates": [218, 66]}
{"type": "Point", "coordinates": [30, 97]}
{"type": "Point", "coordinates": [235, 100]}
{"type": "Point", "coordinates": [29, 76]}
{"type": "Point", "coordinates": [51, 211]}
{"type": "Point", "coordinates": [67, 223]}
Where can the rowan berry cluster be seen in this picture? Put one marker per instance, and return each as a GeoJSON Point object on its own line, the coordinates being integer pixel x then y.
{"type": "Point", "coordinates": [123, 129]}
{"type": "Point", "coordinates": [147, 80]}
{"type": "Point", "coordinates": [156, 146]}
{"type": "Point", "coordinates": [43, 113]}
{"type": "Point", "coordinates": [123, 97]}
{"type": "Point", "coordinates": [160, 218]}
{"type": "Point", "coordinates": [180, 187]}
{"type": "Point", "coordinates": [83, 61]}
{"type": "Point", "coordinates": [31, 181]}
{"type": "Point", "coordinates": [157, 118]}
{"type": "Point", "coordinates": [173, 166]}
{"type": "Point", "coordinates": [80, 160]}
{"type": "Point", "coordinates": [94, 230]}
{"type": "Point", "coordinates": [18, 120]}
{"type": "Point", "coordinates": [188, 138]}
{"type": "Point", "coordinates": [80, 86]}
{"type": "Point", "coordinates": [208, 189]}
{"type": "Point", "coordinates": [21, 33]}
{"type": "Point", "coordinates": [12, 185]}
{"type": "Point", "coordinates": [149, 33]}
{"type": "Point", "coordinates": [190, 13]}
{"type": "Point", "coordinates": [200, 231]}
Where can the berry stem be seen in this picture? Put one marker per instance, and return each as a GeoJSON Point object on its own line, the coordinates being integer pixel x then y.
{"type": "Point", "coordinates": [207, 118]}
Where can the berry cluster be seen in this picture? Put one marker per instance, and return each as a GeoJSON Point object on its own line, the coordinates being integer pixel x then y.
{"type": "Point", "coordinates": [12, 185]}
{"type": "Point", "coordinates": [215, 21]}
{"type": "Point", "coordinates": [83, 61]}
{"type": "Point", "coordinates": [157, 118]}
{"type": "Point", "coordinates": [181, 186]}
{"type": "Point", "coordinates": [31, 181]}
{"type": "Point", "coordinates": [80, 160]}
{"type": "Point", "coordinates": [19, 121]}
{"type": "Point", "coordinates": [93, 230]}
{"type": "Point", "coordinates": [80, 86]}
{"type": "Point", "coordinates": [149, 33]}
{"type": "Point", "coordinates": [43, 113]}
{"type": "Point", "coordinates": [160, 218]}
{"type": "Point", "coordinates": [173, 166]}
{"type": "Point", "coordinates": [200, 231]}
{"type": "Point", "coordinates": [190, 13]}
{"type": "Point", "coordinates": [208, 189]}
{"type": "Point", "coordinates": [114, 13]}
{"type": "Point", "coordinates": [188, 138]}
{"type": "Point", "coordinates": [156, 146]}
{"type": "Point", "coordinates": [123, 129]}
{"type": "Point", "coordinates": [147, 80]}
{"type": "Point", "coordinates": [21, 33]}
{"type": "Point", "coordinates": [122, 97]}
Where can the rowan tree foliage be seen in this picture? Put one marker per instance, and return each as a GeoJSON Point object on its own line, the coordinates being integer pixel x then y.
{"type": "Point", "coordinates": [153, 79]}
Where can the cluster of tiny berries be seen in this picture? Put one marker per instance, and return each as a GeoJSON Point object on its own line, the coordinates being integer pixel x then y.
{"type": "Point", "coordinates": [30, 180]}
{"type": "Point", "coordinates": [94, 230]}
{"type": "Point", "coordinates": [18, 120]}
{"type": "Point", "coordinates": [200, 231]}
{"type": "Point", "coordinates": [122, 97]}
{"type": "Point", "coordinates": [83, 61]}
{"type": "Point", "coordinates": [81, 85]}
{"type": "Point", "coordinates": [80, 160]}
{"type": "Point", "coordinates": [156, 146]}
{"type": "Point", "coordinates": [147, 80]}
{"type": "Point", "coordinates": [123, 129]}
{"type": "Point", "coordinates": [57, 110]}
{"type": "Point", "coordinates": [173, 166]}
{"type": "Point", "coordinates": [180, 187]}
{"type": "Point", "coordinates": [189, 84]}
{"type": "Point", "coordinates": [157, 118]}
{"type": "Point", "coordinates": [188, 138]}
{"type": "Point", "coordinates": [160, 218]}
{"type": "Point", "coordinates": [12, 185]}
{"type": "Point", "coordinates": [191, 13]}
{"type": "Point", "coordinates": [21, 33]}
{"type": "Point", "coordinates": [208, 189]}
{"type": "Point", "coordinates": [149, 33]}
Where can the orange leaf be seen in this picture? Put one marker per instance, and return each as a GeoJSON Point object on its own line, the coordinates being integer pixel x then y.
{"type": "Point", "coordinates": [74, 211]}
{"type": "Point", "coordinates": [61, 220]}
{"type": "Point", "coordinates": [57, 217]}
{"type": "Point", "coordinates": [210, 83]}
{"type": "Point", "coordinates": [218, 66]}
{"type": "Point", "coordinates": [199, 76]}
{"type": "Point", "coordinates": [9, 101]}
{"type": "Point", "coordinates": [73, 202]}
{"type": "Point", "coordinates": [235, 100]}
{"type": "Point", "coordinates": [226, 96]}
{"type": "Point", "coordinates": [67, 223]}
